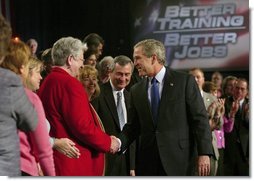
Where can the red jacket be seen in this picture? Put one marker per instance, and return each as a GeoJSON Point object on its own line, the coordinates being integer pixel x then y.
{"type": "Point", "coordinates": [71, 116]}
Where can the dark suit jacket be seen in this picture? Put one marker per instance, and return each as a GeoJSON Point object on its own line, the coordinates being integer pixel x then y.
{"type": "Point", "coordinates": [116, 165]}
{"type": "Point", "coordinates": [182, 124]}
{"type": "Point", "coordinates": [239, 135]}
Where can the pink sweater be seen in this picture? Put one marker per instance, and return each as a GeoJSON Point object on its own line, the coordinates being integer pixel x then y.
{"type": "Point", "coordinates": [35, 145]}
{"type": "Point", "coordinates": [227, 127]}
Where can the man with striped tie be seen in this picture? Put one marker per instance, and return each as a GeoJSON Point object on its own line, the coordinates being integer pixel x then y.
{"type": "Point", "coordinates": [112, 106]}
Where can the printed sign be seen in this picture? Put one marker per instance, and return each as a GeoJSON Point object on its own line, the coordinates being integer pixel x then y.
{"type": "Point", "coordinates": [205, 34]}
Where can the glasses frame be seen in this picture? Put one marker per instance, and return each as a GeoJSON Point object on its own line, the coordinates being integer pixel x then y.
{"type": "Point", "coordinates": [80, 59]}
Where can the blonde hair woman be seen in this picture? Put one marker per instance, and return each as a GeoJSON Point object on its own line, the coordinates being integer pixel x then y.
{"type": "Point", "coordinates": [32, 81]}
{"type": "Point", "coordinates": [88, 77]}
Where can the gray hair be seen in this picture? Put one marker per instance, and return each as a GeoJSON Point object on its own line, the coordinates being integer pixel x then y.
{"type": "Point", "coordinates": [107, 61]}
{"type": "Point", "coordinates": [153, 47]}
{"type": "Point", "coordinates": [123, 60]}
{"type": "Point", "coordinates": [31, 40]}
{"type": "Point", "coordinates": [64, 47]}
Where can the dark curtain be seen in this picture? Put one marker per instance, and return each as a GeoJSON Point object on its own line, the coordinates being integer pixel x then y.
{"type": "Point", "coordinates": [48, 20]}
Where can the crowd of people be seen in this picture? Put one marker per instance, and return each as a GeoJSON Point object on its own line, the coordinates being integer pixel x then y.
{"type": "Point", "coordinates": [72, 112]}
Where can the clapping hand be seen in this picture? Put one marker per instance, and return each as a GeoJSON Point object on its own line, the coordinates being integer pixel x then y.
{"type": "Point", "coordinates": [216, 111]}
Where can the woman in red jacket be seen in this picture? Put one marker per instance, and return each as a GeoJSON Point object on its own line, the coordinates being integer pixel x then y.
{"type": "Point", "coordinates": [70, 115]}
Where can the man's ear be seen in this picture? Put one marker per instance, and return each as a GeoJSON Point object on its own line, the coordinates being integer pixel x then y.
{"type": "Point", "coordinates": [154, 59]}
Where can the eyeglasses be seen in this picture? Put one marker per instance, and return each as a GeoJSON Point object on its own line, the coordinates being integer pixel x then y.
{"type": "Point", "coordinates": [80, 59]}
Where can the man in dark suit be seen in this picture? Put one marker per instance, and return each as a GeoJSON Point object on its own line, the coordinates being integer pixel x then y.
{"type": "Point", "coordinates": [178, 135]}
{"type": "Point", "coordinates": [236, 155]}
{"type": "Point", "coordinates": [106, 107]}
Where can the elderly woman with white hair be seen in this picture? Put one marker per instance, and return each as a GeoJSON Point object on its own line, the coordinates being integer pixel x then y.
{"type": "Point", "coordinates": [70, 114]}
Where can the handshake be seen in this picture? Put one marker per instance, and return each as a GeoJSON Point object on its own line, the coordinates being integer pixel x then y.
{"type": "Point", "coordinates": [115, 144]}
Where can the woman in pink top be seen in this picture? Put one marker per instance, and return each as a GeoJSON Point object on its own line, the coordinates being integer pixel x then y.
{"type": "Point", "coordinates": [34, 146]}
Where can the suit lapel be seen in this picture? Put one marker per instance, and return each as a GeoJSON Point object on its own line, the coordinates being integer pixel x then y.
{"type": "Point", "coordinates": [143, 101]}
{"type": "Point", "coordinates": [167, 91]}
{"type": "Point", "coordinates": [110, 101]}
{"type": "Point", "coordinates": [126, 99]}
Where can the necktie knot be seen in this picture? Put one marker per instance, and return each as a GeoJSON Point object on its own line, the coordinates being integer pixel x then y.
{"type": "Point", "coordinates": [154, 81]}
{"type": "Point", "coordinates": [119, 94]}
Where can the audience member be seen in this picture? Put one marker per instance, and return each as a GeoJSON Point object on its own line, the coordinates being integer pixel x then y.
{"type": "Point", "coordinates": [236, 155]}
{"type": "Point", "coordinates": [211, 88]}
{"type": "Point", "coordinates": [90, 58]}
{"type": "Point", "coordinates": [170, 133]}
{"type": "Point", "coordinates": [88, 77]}
{"type": "Point", "coordinates": [228, 85]}
{"type": "Point", "coordinates": [33, 45]}
{"type": "Point", "coordinates": [15, 113]}
{"type": "Point", "coordinates": [47, 61]}
{"type": "Point", "coordinates": [95, 43]}
{"type": "Point", "coordinates": [217, 80]}
{"type": "Point", "coordinates": [114, 118]}
{"type": "Point", "coordinates": [105, 66]}
{"type": "Point", "coordinates": [34, 145]}
{"type": "Point", "coordinates": [70, 114]}
{"type": "Point", "coordinates": [228, 122]}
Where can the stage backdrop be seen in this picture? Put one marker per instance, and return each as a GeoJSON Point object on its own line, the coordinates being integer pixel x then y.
{"type": "Point", "coordinates": [209, 34]}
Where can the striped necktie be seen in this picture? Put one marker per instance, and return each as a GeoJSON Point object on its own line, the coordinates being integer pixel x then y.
{"type": "Point", "coordinates": [120, 110]}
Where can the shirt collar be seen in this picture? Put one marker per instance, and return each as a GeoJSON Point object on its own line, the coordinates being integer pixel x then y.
{"type": "Point", "coordinates": [114, 89]}
{"type": "Point", "coordinates": [160, 75]}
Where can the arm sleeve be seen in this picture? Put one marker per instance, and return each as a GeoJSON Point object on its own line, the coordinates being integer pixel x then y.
{"type": "Point", "coordinates": [41, 141]}
{"type": "Point", "coordinates": [78, 116]}
{"type": "Point", "coordinates": [199, 118]}
{"type": "Point", "coordinates": [23, 111]}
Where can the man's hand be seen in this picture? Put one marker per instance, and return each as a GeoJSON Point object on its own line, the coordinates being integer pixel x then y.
{"type": "Point", "coordinates": [132, 173]}
{"type": "Point", "coordinates": [203, 165]}
{"type": "Point", "coordinates": [115, 144]}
